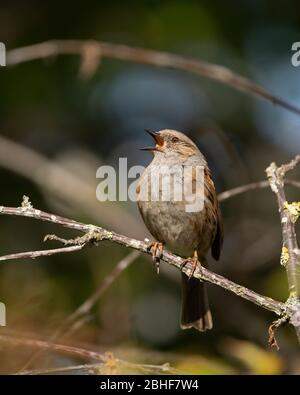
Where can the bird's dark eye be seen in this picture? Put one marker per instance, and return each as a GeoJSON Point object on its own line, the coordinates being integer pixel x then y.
{"type": "Point", "coordinates": [174, 139]}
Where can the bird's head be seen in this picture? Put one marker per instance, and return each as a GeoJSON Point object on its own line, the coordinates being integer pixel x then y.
{"type": "Point", "coordinates": [171, 142]}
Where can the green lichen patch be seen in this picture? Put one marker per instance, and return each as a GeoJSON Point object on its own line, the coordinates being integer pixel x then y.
{"type": "Point", "coordinates": [285, 256]}
{"type": "Point", "coordinates": [293, 209]}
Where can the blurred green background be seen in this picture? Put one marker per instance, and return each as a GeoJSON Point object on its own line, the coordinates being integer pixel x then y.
{"type": "Point", "coordinates": [81, 122]}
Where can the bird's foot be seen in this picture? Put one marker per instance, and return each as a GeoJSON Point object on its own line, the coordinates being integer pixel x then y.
{"type": "Point", "coordinates": [156, 249]}
{"type": "Point", "coordinates": [193, 261]}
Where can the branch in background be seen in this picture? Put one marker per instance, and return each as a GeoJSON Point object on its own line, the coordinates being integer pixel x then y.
{"type": "Point", "coordinates": [71, 322]}
{"type": "Point", "coordinates": [89, 369]}
{"type": "Point", "coordinates": [117, 366]}
{"type": "Point", "coordinates": [50, 175]}
{"type": "Point", "coordinates": [89, 303]}
{"type": "Point", "coordinates": [79, 352]}
{"type": "Point", "coordinates": [92, 52]}
{"type": "Point", "coordinates": [108, 364]}
{"type": "Point", "coordinates": [96, 234]}
{"type": "Point", "coordinates": [252, 186]}
{"type": "Point", "coordinates": [290, 256]}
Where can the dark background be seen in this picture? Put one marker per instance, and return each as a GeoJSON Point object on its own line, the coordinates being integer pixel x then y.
{"type": "Point", "coordinates": [80, 122]}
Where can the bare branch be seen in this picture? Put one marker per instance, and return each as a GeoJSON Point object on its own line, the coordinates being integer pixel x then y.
{"type": "Point", "coordinates": [93, 51]}
{"type": "Point", "coordinates": [38, 254]}
{"type": "Point", "coordinates": [290, 256]}
{"type": "Point", "coordinates": [97, 234]}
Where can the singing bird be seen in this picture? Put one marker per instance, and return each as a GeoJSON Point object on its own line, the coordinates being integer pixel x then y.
{"type": "Point", "coordinates": [187, 234]}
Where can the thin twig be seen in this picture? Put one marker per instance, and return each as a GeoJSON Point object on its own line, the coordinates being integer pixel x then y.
{"type": "Point", "coordinates": [252, 186]}
{"type": "Point", "coordinates": [96, 233]}
{"type": "Point", "coordinates": [92, 52]}
{"type": "Point", "coordinates": [38, 254]}
{"type": "Point", "coordinates": [293, 183]}
{"type": "Point", "coordinates": [242, 189]}
{"type": "Point", "coordinates": [90, 368]}
{"type": "Point", "coordinates": [100, 368]}
{"type": "Point", "coordinates": [88, 304]}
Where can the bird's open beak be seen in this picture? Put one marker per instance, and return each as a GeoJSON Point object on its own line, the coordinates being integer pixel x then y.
{"type": "Point", "coordinates": [158, 140]}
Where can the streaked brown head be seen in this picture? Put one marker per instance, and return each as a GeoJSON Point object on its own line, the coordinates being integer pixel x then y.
{"type": "Point", "coordinates": [172, 141]}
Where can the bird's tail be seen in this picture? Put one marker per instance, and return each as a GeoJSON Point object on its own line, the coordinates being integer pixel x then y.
{"type": "Point", "coordinates": [195, 308]}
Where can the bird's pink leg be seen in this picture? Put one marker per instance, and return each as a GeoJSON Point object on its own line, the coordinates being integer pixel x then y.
{"type": "Point", "coordinates": [156, 249]}
{"type": "Point", "coordinates": [194, 261]}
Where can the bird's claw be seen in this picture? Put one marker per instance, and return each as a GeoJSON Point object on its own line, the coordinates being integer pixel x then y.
{"type": "Point", "coordinates": [194, 262]}
{"type": "Point", "coordinates": [156, 249]}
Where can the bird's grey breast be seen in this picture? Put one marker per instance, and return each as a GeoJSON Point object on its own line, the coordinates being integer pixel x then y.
{"type": "Point", "coordinates": [168, 220]}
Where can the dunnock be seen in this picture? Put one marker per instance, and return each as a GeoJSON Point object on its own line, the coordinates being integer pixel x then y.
{"type": "Point", "coordinates": [187, 234]}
